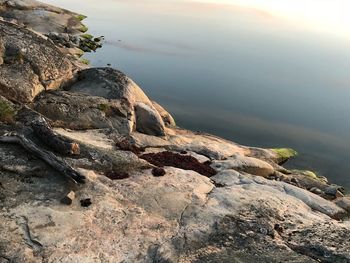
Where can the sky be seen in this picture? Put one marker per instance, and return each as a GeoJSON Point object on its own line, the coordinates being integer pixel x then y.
{"type": "Point", "coordinates": [331, 16]}
{"type": "Point", "coordinates": [324, 15]}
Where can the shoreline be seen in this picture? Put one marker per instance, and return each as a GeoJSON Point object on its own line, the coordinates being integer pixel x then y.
{"type": "Point", "coordinates": [171, 194]}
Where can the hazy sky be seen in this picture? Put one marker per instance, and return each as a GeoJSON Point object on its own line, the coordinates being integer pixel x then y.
{"type": "Point", "coordinates": [329, 15]}
{"type": "Point", "coordinates": [322, 15]}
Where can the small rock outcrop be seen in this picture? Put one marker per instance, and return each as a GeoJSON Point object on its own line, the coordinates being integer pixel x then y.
{"type": "Point", "coordinates": [30, 64]}
{"type": "Point", "coordinates": [51, 18]}
{"type": "Point", "coordinates": [167, 118]}
{"type": "Point", "coordinates": [79, 111]}
{"type": "Point", "coordinates": [114, 85]}
{"type": "Point", "coordinates": [148, 120]}
{"type": "Point", "coordinates": [112, 100]}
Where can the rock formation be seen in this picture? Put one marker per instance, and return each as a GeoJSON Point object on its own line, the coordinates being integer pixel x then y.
{"type": "Point", "coordinates": [153, 192]}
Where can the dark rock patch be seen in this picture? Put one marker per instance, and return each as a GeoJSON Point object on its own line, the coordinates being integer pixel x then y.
{"type": "Point", "coordinates": [185, 162]}
{"type": "Point", "coordinates": [89, 44]}
{"type": "Point", "coordinates": [208, 162]}
{"type": "Point", "coordinates": [278, 228]}
{"type": "Point", "coordinates": [158, 172]}
{"type": "Point", "coordinates": [218, 184]}
{"type": "Point", "coordinates": [117, 175]}
{"type": "Point", "coordinates": [85, 202]}
{"type": "Point", "coordinates": [125, 145]}
{"type": "Point", "coordinates": [68, 199]}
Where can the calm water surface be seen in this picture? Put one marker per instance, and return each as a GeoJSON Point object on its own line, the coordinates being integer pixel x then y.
{"type": "Point", "coordinates": [239, 73]}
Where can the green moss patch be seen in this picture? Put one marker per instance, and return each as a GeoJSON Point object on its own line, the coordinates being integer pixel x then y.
{"type": "Point", "coordinates": [87, 36]}
{"type": "Point", "coordinates": [79, 53]}
{"type": "Point", "coordinates": [87, 44]}
{"type": "Point", "coordinates": [85, 61]}
{"type": "Point", "coordinates": [81, 17]}
{"type": "Point", "coordinates": [83, 28]}
{"type": "Point", "coordinates": [310, 174]}
{"type": "Point", "coordinates": [285, 153]}
{"type": "Point", "coordinates": [7, 112]}
{"type": "Point", "coordinates": [104, 107]}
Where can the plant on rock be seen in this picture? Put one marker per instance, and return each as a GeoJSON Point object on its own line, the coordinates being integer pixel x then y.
{"type": "Point", "coordinates": [7, 112]}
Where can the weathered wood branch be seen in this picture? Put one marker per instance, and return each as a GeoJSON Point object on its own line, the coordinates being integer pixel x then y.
{"type": "Point", "coordinates": [43, 130]}
{"type": "Point", "coordinates": [46, 134]}
{"type": "Point", "coordinates": [48, 157]}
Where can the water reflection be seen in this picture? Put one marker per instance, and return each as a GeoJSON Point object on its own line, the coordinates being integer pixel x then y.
{"type": "Point", "coordinates": [241, 73]}
{"type": "Point", "coordinates": [163, 49]}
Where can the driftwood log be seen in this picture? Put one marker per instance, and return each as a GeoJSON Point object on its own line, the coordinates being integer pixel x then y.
{"type": "Point", "coordinates": [43, 130]}
{"type": "Point", "coordinates": [48, 157]}
{"type": "Point", "coordinates": [46, 134]}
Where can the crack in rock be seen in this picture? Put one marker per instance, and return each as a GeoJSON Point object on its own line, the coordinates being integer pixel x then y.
{"type": "Point", "coordinates": [34, 244]}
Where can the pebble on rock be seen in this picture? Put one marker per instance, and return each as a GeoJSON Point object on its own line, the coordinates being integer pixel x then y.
{"type": "Point", "coordinates": [85, 202]}
{"type": "Point", "coordinates": [316, 190]}
{"type": "Point", "coordinates": [333, 191]}
{"type": "Point", "coordinates": [68, 199]}
{"type": "Point", "coordinates": [158, 172]}
{"type": "Point", "coordinates": [117, 175]}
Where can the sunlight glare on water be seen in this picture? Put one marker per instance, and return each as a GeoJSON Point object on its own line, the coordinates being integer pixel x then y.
{"type": "Point", "coordinates": [329, 15]}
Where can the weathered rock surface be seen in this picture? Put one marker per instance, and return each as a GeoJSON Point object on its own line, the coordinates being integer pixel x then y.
{"type": "Point", "coordinates": [30, 65]}
{"type": "Point", "coordinates": [179, 217]}
{"type": "Point", "coordinates": [114, 85]}
{"type": "Point", "coordinates": [81, 111]}
{"type": "Point", "coordinates": [148, 120]}
{"type": "Point", "coordinates": [251, 210]}
{"type": "Point", "coordinates": [63, 27]}
{"type": "Point", "coordinates": [344, 202]}
{"type": "Point", "coordinates": [32, 13]}
{"type": "Point", "coordinates": [167, 118]}
{"type": "Point", "coordinates": [109, 83]}
{"type": "Point", "coordinates": [245, 164]}
{"type": "Point", "coordinates": [184, 140]}
{"type": "Point", "coordinates": [255, 221]}
{"type": "Point", "coordinates": [102, 98]}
